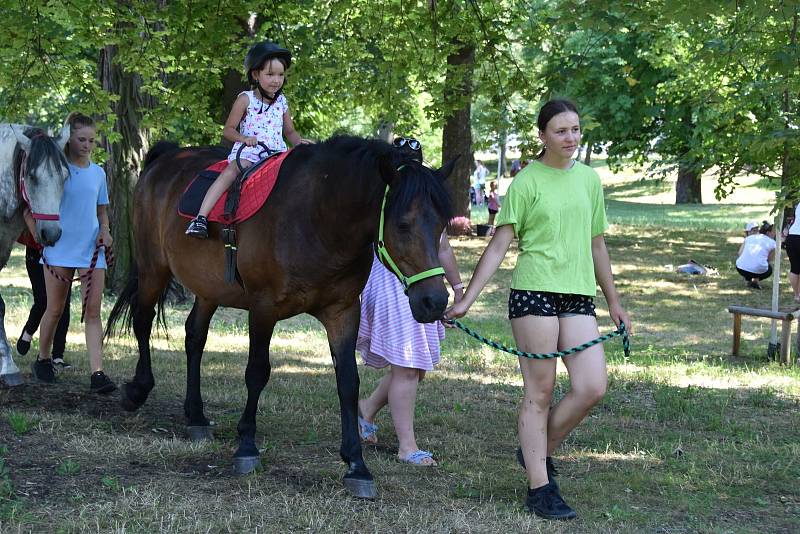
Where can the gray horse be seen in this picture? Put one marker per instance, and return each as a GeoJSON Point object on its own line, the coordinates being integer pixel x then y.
{"type": "Point", "coordinates": [33, 170]}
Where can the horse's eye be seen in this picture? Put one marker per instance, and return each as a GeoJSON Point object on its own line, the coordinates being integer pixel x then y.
{"type": "Point", "coordinates": [404, 227]}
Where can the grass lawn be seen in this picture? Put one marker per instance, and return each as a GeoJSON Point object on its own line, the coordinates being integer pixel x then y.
{"type": "Point", "coordinates": [688, 439]}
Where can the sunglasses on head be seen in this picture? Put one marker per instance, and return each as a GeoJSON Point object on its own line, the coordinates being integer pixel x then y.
{"type": "Point", "coordinates": [410, 142]}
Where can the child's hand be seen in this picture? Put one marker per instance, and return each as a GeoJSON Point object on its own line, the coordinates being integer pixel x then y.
{"type": "Point", "coordinates": [250, 141]}
{"type": "Point", "coordinates": [305, 142]}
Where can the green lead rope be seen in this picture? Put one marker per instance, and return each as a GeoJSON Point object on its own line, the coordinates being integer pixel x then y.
{"type": "Point", "coordinates": [621, 331]}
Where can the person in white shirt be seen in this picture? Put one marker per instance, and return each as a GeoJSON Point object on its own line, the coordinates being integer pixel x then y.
{"type": "Point", "coordinates": [754, 261]}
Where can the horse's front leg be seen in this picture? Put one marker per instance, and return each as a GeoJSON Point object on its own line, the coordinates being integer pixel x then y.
{"type": "Point", "coordinates": [149, 287]}
{"type": "Point", "coordinates": [9, 372]}
{"type": "Point", "coordinates": [256, 376]}
{"type": "Point", "coordinates": [197, 425]}
{"type": "Point", "coordinates": [342, 327]}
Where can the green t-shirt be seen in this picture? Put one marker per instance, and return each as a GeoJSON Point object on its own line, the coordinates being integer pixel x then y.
{"type": "Point", "coordinates": [555, 214]}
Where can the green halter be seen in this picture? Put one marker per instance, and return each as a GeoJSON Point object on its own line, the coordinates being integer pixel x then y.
{"type": "Point", "coordinates": [383, 255]}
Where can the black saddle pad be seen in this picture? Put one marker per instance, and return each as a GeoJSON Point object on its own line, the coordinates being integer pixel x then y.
{"type": "Point", "coordinates": [192, 198]}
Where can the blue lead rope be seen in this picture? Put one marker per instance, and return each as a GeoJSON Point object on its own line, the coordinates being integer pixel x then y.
{"type": "Point", "coordinates": [621, 331]}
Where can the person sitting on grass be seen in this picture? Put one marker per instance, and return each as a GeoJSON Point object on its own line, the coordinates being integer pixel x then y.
{"type": "Point", "coordinates": [756, 254]}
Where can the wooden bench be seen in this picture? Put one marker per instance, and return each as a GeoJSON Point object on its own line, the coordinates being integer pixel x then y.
{"type": "Point", "coordinates": [785, 317]}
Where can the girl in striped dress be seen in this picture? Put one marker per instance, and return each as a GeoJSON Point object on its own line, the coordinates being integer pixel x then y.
{"type": "Point", "coordinates": [388, 336]}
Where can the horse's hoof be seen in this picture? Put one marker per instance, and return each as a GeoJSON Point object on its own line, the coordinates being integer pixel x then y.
{"type": "Point", "coordinates": [243, 465]}
{"type": "Point", "coordinates": [125, 401]}
{"type": "Point", "coordinates": [363, 489]}
{"type": "Point", "coordinates": [12, 379]}
{"type": "Point", "coordinates": [199, 433]}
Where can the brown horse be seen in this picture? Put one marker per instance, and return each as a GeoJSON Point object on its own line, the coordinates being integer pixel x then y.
{"type": "Point", "coordinates": [308, 250]}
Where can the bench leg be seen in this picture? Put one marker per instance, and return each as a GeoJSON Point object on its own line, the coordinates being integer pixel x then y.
{"type": "Point", "coordinates": [737, 332]}
{"type": "Point", "coordinates": [786, 342]}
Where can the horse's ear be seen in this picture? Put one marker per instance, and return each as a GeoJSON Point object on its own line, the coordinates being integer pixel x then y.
{"type": "Point", "coordinates": [445, 170]}
{"type": "Point", "coordinates": [387, 166]}
{"type": "Point", "coordinates": [22, 139]}
{"type": "Point", "coordinates": [63, 137]}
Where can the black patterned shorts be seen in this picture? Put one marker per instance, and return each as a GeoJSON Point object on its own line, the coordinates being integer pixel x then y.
{"type": "Point", "coordinates": [544, 304]}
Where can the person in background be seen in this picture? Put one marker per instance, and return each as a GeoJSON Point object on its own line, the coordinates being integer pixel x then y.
{"type": "Point", "coordinates": [793, 251]}
{"type": "Point", "coordinates": [493, 203]}
{"type": "Point", "coordinates": [750, 228]}
{"type": "Point", "coordinates": [756, 254]}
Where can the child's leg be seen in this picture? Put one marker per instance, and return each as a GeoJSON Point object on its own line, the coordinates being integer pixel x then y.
{"type": "Point", "coordinates": [368, 408]}
{"type": "Point", "coordinates": [220, 185]}
{"type": "Point", "coordinates": [587, 375]}
{"type": "Point", "coordinates": [402, 400]}
{"type": "Point", "coordinates": [56, 298]}
{"type": "Point", "coordinates": [535, 334]}
{"type": "Point", "coordinates": [92, 325]}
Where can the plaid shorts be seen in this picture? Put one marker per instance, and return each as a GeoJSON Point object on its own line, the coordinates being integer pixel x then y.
{"type": "Point", "coordinates": [522, 302]}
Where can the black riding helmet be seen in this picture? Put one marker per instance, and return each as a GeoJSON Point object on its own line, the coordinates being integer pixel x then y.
{"type": "Point", "coordinates": [261, 52]}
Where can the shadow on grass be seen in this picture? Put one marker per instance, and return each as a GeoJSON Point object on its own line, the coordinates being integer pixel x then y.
{"type": "Point", "coordinates": [662, 454]}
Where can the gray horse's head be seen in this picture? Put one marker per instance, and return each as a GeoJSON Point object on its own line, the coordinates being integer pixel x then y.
{"type": "Point", "coordinates": [46, 171]}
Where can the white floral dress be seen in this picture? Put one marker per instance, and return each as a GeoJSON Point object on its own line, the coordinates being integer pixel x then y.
{"type": "Point", "coordinates": [265, 123]}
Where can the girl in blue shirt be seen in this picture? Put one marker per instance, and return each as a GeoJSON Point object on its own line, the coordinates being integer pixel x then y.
{"type": "Point", "coordinates": [84, 227]}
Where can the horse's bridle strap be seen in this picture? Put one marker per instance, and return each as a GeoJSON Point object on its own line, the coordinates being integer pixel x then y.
{"type": "Point", "coordinates": [384, 256]}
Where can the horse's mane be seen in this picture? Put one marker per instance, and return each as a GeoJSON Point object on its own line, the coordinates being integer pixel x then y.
{"type": "Point", "coordinates": [415, 178]}
{"type": "Point", "coordinates": [164, 147]}
{"type": "Point", "coordinates": [43, 149]}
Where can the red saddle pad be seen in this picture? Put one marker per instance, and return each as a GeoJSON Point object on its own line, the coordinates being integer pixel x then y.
{"type": "Point", "coordinates": [255, 191]}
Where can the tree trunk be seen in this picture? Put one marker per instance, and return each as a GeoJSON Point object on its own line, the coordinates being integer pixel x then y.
{"type": "Point", "coordinates": [125, 158]}
{"type": "Point", "coordinates": [687, 189]}
{"type": "Point", "coordinates": [457, 131]}
{"type": "Point", "coordinates": [501, 165]}
{"type": "Point", "coordinates": [385, 130]}
{"type": "Point", "coordinates": [232, 85]}
{"type": "Point", "coordinates": [588, 158]}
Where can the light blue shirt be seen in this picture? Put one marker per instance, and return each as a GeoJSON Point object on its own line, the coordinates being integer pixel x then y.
{"type": "Point", "coordinates": [84, 190]}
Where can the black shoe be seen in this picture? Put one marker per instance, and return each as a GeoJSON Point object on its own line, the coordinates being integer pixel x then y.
{"type": "Point", "coordinates": [754, 285]}
{"type": "Point", "coordinates": [552, 472]}
{"type": "Point", "coordinates": [546, 502]}
{"type": "Point", "coordinates": [23, 346]}
{"type": "Point", "coordinates": [60, 363]}
{"type": "Point", "coordinates": [198, 227]}
{"type": "Point", "coordinates": [43, 371]}
{"type": "Point", "coordinates": [100, 383]}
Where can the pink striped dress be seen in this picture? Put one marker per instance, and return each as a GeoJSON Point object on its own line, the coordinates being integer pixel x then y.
{"type": "Point", "coordinates": [388, 333]}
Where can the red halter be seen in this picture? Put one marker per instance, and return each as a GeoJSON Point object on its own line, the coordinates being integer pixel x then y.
{"type": "Point", "coordinates": [35, 215]}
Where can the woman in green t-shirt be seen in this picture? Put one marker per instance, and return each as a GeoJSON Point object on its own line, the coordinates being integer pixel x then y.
{"type": "Point", "coordinates": [555, 208]}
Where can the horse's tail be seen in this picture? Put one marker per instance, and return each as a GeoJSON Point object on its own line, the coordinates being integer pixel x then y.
{"type": "Point", "coordinates": [159, 149]}
{"type": "Point", "coordinates": [127, 304]}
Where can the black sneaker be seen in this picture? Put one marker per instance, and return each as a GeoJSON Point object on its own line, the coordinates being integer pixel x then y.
{"type": "Point", "coordinates": [546, 502]}
{"type": "Point", "coordinates": [552, 472]}
{"type": "Point", "coordinates": [198, 227]}
{"type": "Point", "coordinates": [100, 383]}
{"type": "Point", "coordinates": [60, 363]}
{"type": "Point", "coordinates": [23, 346]}
{"type": "Point", "coordinates": [43, 371]}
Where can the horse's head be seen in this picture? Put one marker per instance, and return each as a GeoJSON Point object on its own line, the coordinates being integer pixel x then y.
{"type": "Point", "coordinates": [417, 209]}
{"type": "Point", "coordinates": [45, 171]}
